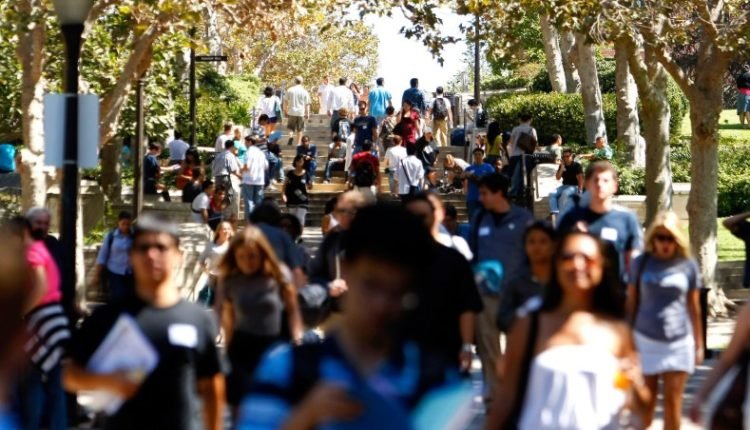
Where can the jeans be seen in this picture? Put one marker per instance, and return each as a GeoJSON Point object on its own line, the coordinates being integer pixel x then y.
{"type": "Point", "coordinates": [298, 211]}
{"type": "Point", "coordinates": [310, 168]}
{"type": "Point", "coordinates": [488, 343]}
{"type": "Point", "coordinates": [392, 181]}
{"type": "Point", "coordinates": [120, 286]}
{"type": "Point", "coordinates": [559, 197]}
{"type": "Point", "coordinates": [41, 395]}
{"type": "Point", "coordinates": [252, 196]}
{"type": "Point", "coordinates": [274, 166]}
{"type": "Point", "coordinates": [516, 180]}
{"type": "Point", "coordinates": [331, 166]}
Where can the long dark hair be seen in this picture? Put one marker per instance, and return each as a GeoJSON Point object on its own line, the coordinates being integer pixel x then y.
{"type": "Point", "coordinates": [540, 225]}
{"type": "Point", "coordinates": [608, 299]}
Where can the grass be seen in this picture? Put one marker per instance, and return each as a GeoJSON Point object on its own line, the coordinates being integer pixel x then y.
{"type": "Point", "coordinates": [729, 126]}
{"type": "Point", "coordinates": [730, 248]}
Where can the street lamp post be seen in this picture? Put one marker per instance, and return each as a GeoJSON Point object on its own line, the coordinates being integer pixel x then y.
{"type": "Point", "coordinates": [72, 15]}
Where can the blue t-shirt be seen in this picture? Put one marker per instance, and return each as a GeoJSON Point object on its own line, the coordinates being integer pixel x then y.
{"type": "Point", "coordinates": [150, 168]}
{"type": "Point", "coordinates": [7, 157]}
{"type": "Point", "coordinates": [478, 170]}
{"type": "Point", "coordinates": [378, 99]}
{"type": "Point", "coordinates": [415, 96]}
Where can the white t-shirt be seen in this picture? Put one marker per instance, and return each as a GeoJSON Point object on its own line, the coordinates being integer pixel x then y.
{"type": "Point", "coordinates": [394, 155]}
{"type": "Point", "coordinates": [456, 242]}
{"type": "Point", "coordinates": [256, 164]}
{"type": "Point", "coordinates": [220, 141]}
{"type": "Point", "coordinates": [297, 98]}
{"type": "Point", "coordinates": [340, 97]}
{"type": "Point", "coordinates": [177, 149]}
{"type": "Point", "coordinates": [200, 202]}
{"type": "Point", "coordinates": [516, 133]}
{"type": "Point", "coordinates": [413, 166]}
{"type": "Point", "coordinates": [268, 105]}
{"type": "Point", "coordinates": [447, 105]}
{"type": "Point", "coordinates": [212, 255]}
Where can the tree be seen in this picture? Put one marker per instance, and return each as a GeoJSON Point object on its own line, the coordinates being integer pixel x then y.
{"type": "Point", "coordinates": [628, 126]}
{"type": "Point", "coordinates": [553, 55]}
{"type": "Point", "coordinates": [592, 94]}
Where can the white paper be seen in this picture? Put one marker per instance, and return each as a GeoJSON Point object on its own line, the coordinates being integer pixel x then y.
{"type": "Point", "coordinates": [88, 129]}
{"type": "Point", "coordinates": [125, 348]}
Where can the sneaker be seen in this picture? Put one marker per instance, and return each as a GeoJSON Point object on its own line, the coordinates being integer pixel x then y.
{"type": "Point", "coordinates": [326, 181]}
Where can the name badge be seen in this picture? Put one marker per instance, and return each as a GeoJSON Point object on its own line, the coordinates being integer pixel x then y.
{"type": "Point", "coordinates": [484, 231]}
{"type": "Point", "coordinates": [183, 335]}
{"type": "Point", "coordinates": [610, 234]}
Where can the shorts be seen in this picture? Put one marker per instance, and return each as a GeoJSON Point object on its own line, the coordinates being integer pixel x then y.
{"type": "Point", "coordinates": [296, 123]}
{"type": "Point", "coordinates": [273, 120]}
{"type": "Point", "coordinates": [665, 356]}
{"type": "Point", "coordinates": [743, 103]}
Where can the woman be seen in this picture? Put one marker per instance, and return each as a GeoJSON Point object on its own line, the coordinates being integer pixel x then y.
{"type": "Point", "coordinates": [113, 261]}
{"type": "Point", "coordinates": [185, 174]}
{"type": "Point", "coordinates": [664, 305]}
{"type": "Point", "coordinates": [210, 258]}
{"type": "Point", "coordinates": [328, 221]}
{"type": "Point", "coordinates": [255, 293]}
{"type": "Point", "coordinates": [539, 244]}
{"type": "Point", "coordinates": [216, 207]}
{"type": "Point", "coordinates": [453, 168]}
{"type": "Point", "coordinates": [409, 123]}
{"type": "Point", "coordinates": [239, 143]}
{"type": "Point", "coordinates": [575, 350]}
{"type": "Point", "coordinates": [294, 191]}
{"type": "Point", "coordinates": [270, 105]}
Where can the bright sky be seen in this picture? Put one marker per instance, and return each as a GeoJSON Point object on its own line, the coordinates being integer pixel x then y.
{"type": "Point", "coordinates": [401, 59]}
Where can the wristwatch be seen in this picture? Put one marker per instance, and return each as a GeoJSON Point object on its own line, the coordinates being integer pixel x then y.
{"type": "Point", "coordinates": [467, 347]}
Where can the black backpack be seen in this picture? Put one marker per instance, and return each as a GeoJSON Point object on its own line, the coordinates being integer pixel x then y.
{"type": "Point", "coordinates": [527, 143]}
{"type": "Point", "coordinates": [482, 119]}
{"type": "Point", "coordinates": [364, 176]}
{"type": "Point", "coordinates": [440, 109]}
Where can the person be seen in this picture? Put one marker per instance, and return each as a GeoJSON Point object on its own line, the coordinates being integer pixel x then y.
{"type": "Point", "coordinates": [365, 128]}
{"type": "Point", "coordinates": [211, 257]}
{"type": "Point", "coordinates": [328, 222]}
{"type": "Point", "coordinates": [126, 154]}
{"type": "Point", "coordinates": [40, 219]}
{"type": "Point", "coordinates": [441, 233]}
{"type": "Point", "coordinates": [523, 130]}
{"type": "Point", "coordinates": [387, 129]}
{"type": "Point", "coordinates": [188, 371]}
{"type": "Point", "coordinates": [309, 152]}
{"type": "Point", "coordinates": [427, 149]}
{"type": "Point", "coordinates": [410, 174]}
{"type": "Point", "coordinates": [202, 212]}
{"type": "Point", "coordinates": [260, 126]}
{"type": "Point", "coordinates": [254, 173]}
{"type": "Point", "coordinates": [571, 173]}
{"type": "Point", "coordinates": [356, 377]}
{"type": "Point", "coordinates": [272, 150]}
{"type": "Point", "coordinates": [324, 89]}
{"type": "Point", "coordinates": [356, 93]}
{"type": "Point", "coordinates": [415, 96]}
{"type": "Point", "coordinates": [339, 98]}
{"type": "Point", "coordinates": [393, 157]}
{"type": "Point", "coordinates": [526, 287]}
{"type": "Point", "coordinates": [379, 100]}
{"type": "Point", "coordinates": [617, 226]}
{"type": "Point", "coordinates": [472, 126]}
{"type": "Point", "coordinates": [152, 173]}
{"type": "Point", "coordinates": [267, 217]}
{"type": "Point", "coordinates": [743, 96]}
{"type": "Point", "coordinates": [177, 149]}
{"type": "Point", "coordinates": [453, 171]}
{"type": "Point", "coordinates": [451, 293]}
{"type": "Point", "coordinates": [496, 240]}
{"type": "Point", "coordinates": [185, 173]}
{"type": "Point", "coordinates": [602, 151]}
{"type": "Point", "coordinates": [341, 126]}
{"type": "Point", "coordinates": [571, 364]}
{"type": "Point", "coordinates": [408, 123]}
{"type": "Point", "coordinates": [113, 260]}
{"type": "Point", "coordinates": [221, 140]}
{"type": "Point", "coordinates": [7, 158]}
{"type": "Point", "coordinates": [297, 108]}
{"type": "Point", "coordinates": [254, 296]}
{"type": "Point", "coordinates": [40, 393]}
{"type": "Point", "coordinates": [495, 149]}
{"type": "Point", "coordinates": [336, 158]}
{"type": "Point", "coordinates": [224, 167]}
{"type": "Point", "coordinates": [663, 301]}
{"type": "Point", "coordinates": [471, 177]}
{"type": "Point", "coordinates": [365, 171]}
{"type": "Point", "coordinates": [555, 148]}
{"type": "Point", "coordinates": [239, 143]}
{"type": "Point", "coordinates": [739, 226]}
{"type": "Point", "coordinates": [270, 105]}
{"type": "Point", "coordinates": [294, 192]}
{"type": "Point", "coordinates": [291, 225]}
{"type": "Point", "coordinates": [442, 117]}
{"type": "Point", "coordinates": [453, 227]}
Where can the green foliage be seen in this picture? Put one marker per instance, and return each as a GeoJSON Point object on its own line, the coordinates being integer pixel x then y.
{"type": "Point", "coordinates": [521, 77]}
{"type": "Point", "coordinates": [606, 68]}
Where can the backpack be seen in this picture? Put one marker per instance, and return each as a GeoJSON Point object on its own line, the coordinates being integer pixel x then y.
{"type": "Point", "coordinates": [527, 143]}
{"type": "Point", "coordinates": [345, 128]}
{"type": "Point", "coordinates": [482, 119]}
{"type": "Point", "coordinates": [387, 130]}
{"type": "Point", "coordinates": [363, 174]}
{"type": "Point", "coordinates": [440, 109]}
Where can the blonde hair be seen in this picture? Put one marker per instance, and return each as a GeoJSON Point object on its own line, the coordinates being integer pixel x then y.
{"type": "Point", "coordinates": [252, 236]}
{"type": "Point", "coordinates": [218, 228]}
{"type": "Point", "coordinates": [669, 221]}
{"type": "Point", "coordinates": [449, 161]}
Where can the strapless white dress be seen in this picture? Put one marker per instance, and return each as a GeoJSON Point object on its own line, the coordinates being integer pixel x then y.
{"type": "Point", "coordinates": [573, 387]}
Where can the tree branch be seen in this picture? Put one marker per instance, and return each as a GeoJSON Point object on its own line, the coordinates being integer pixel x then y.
{"type": "Point", "coordinates": [716, 11]}
{"type": "Point", "coordinates": [706, 18]}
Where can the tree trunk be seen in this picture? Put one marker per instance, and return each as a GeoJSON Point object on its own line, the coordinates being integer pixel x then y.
{"type": "Point", "coordinates": [628, 127]}
{"type": "Point", "coordinates": [569, 55]}
{"type": "Point", "coordinates": [111, 180]}
{"type": "Point", "coordinates": [213, 38]}
{"type": "Point", "coordinates": [553, 56]}
{"type": "Point", "coordinates": [590, 91]}
{"type": "Point", "coordinates": [30, 54]}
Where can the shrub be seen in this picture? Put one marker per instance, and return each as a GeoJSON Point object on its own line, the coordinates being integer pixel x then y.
{"type": "Point", "coordinates": [606, 68]}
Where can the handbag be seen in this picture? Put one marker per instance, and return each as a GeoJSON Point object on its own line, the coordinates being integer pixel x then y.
{"type": "Point", "coordinates": [728, 405]}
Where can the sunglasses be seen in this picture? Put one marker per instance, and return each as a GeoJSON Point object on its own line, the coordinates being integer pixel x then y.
{"type": "Point", "coordinates": [664, 238]}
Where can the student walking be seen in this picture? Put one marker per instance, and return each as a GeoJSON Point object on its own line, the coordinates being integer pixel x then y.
{"type": "Point", "coordinates": [294, 193]}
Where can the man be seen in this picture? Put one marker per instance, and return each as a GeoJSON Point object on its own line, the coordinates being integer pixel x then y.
{"type": "Point", "coordinates": [260, 127]}
{"type": "Point", "coordinates": [442, 117]}
{"type": "Point", "coordinates": [496, 239]}
{"type": "Point", "coordinates": [472, 175]}
{"type": "Point", "coordinates": [201, 205]}
{"type": "Point", "coordinates": [365, 171]}
{"type": "Point", "coordinates": [339, 98]}
{"type": "Point", "coordinates": [379, 98]}
{"type": "Point", "coordinates": [365, 128]}
{"type": "Point", "coordinates": [415, 96]}
{"type": "Point", "coordinates": [272, 150]}
{"type": "Point", "coordinates": [323, 91]}
{"type": "Point", "coordinates": [739, 226]}
{"type": "Point", "coordinates": [310, 152]}
{"type": "Point", "coordinates": [427, 149]}
{"type": "Point", "coordinates": [297, 108]}
{"type": "Point", "coordinates": [187, 382]}
{"type": "Point", "coordinates": [177, 149]}
{"type": "Point", "coordinates": [113, 260]}
{"type": "Point", "coordinates": [253, 175]}
{"type": "Point", "coordinates": [40, 219]}
{"type": "Point", "coordinates": [617, 226]}
{"type": "Point", "coordinates": [452, 226]}
{"type": "Point", "coordinates": [225, 166]}
{"type": "Point", "coordinates": [445, 318]}
{"type": "Point", "coordinates": [743, 96]}
{"type": "Point", "coordinates": [356, 378]}
{"type": "Point", "coordinates": [152, 173]}
{"type": "Point", "coordinates": [393, 157]}
{"type": "Point", "coordinates": [336, 158]}
{"type": "Point", "coordinates": [602, 151]}
{"type": "Point", "coordinates": [387, 128]}
{"type": "Point", "coordinates": [410, 173]}
{"type": "Point", "coordinates": [227, 135]}
{"type": "Point", "coordinates": [571, 173]}
{"type": "Point", "coordinates": [516, 152]}
{"type": "Point", "coordinates": [442, 234]}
